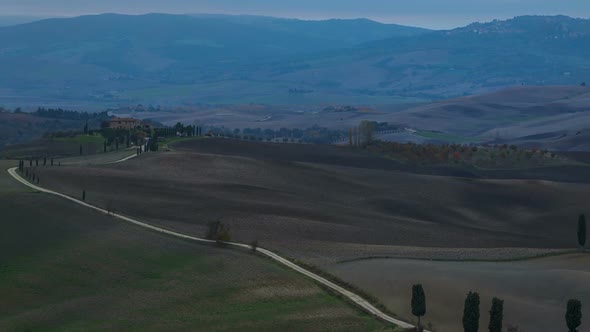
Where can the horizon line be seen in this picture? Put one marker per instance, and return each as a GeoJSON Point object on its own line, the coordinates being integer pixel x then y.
{"type": "Point", "coordinates": [45, 16]}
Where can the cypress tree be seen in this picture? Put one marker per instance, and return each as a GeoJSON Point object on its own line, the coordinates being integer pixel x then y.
{"type": "Point", "coordinates": [496, 315]}
{"type": "Point", "coordinates": [36, 162]}
{"type": "Point", "coordinates": [31, 162]}
{"type": "Point", "coordinates": [81, 149]}
{"type": "Point", "coordinates": [573, 315]}
{"type": "Point", "coordinates": [51, 161]}
{"type": "Point", "coordinates": [582, 230]}
{"type": "Point", "coordinates": [44, 161]}
{"type": "Point", "coordinates": [104, 146]}
{"type": "Point", "coordinates": [84, 195]}
{"type": "Point", "coordinates": [418, 303]}
{"type": "Point", "coordinates": [471, 313]}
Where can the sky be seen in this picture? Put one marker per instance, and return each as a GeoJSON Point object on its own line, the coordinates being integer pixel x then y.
{"type": "Point", "coordinates": [436, 14]}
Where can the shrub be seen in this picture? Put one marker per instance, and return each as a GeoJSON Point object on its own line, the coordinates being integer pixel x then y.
{"type": "Point", "coordinates": [218, 232]}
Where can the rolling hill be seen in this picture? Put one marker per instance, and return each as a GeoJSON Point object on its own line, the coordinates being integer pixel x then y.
{"type": "Point", "coordinates": [174, 59]}
{"type": "Point", "coordinates": [65, 267]}
{"type": "Point", "coordinates": [18, 128]}
{"type": "Point", "coordinates": [105, 56]}
{"type": "Point", "coordinates": [482, 57]}
{"type": "Point", "coordinates": [555, 117]}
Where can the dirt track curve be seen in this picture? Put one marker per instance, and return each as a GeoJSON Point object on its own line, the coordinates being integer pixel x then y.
{"type": "Point", "coordinates": [356, 299]}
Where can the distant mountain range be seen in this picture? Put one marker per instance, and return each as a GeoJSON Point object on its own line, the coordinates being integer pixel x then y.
{"type": "Point", "coordinates": [173, 59]}
{"type": "Point", "coordinates": [7, 20]}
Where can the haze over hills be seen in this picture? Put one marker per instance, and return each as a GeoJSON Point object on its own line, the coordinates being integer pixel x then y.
{"type": "Point", "coordinates": [172, 59]}
{"type": "Point", "coordinates": [119, 56]}
{"type": "Point", "coordinates": [553, 117]}
{"type": "Point", "coordinates": [8, 20]}
{"type": "Point", "coordinates": [530, 50]}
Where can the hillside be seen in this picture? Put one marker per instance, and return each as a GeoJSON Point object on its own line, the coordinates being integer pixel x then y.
{"type": "Point", "coordinates": [18, 128]}
{"type": "Point", "coordinates": [65, 267]}
{"type": "Point", "coordinates": [369, 210]}
{"type": "Point", "coordinates": [531, 50]}
{"type": "Point", "coordinates": [176, 59]}
{"type": "Point", "coordinates": [113, 56]}
{"type": "Point", "coordinates": [554, 117]}
{"type": "Point", "coordinates": [269, 192]}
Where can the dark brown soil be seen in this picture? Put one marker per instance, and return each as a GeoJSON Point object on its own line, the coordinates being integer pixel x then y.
{"type": "Point", "coordinates": [344, 156]}
{"type": "Point", "coordinates": [287, 196]}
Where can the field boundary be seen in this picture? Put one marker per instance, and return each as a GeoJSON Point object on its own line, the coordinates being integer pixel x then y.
{"type": "Point", "coordinates": [557, 252]}
{"type": "Point", "coordinates": [356, 299]}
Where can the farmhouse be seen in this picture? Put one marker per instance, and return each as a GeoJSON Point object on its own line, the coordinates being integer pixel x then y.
{"type": "Point", "coordinates": [128, 123]}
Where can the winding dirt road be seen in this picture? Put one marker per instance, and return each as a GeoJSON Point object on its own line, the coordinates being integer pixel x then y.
{"type": "Point", "coordinates": [358, 300]}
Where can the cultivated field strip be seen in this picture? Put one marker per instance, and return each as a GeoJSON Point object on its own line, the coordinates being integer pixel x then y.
{"type": "Point", "coordinates": [356, 299]}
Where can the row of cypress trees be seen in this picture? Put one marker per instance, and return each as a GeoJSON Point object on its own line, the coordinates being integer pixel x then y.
{"type": "Point", "coordinates": [471, 312]}
{"type": "Point", "coordinates": [21, 163]}
{"type": "Point", "coordinates": [27, 172]}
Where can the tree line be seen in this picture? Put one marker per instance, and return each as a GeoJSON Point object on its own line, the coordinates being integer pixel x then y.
{"type": "Point", "coordinates": [471, 309]}
{"type": "Point", "coordinates": [59, 113]}
{"type": "Point", "coordinates": [471, 312]}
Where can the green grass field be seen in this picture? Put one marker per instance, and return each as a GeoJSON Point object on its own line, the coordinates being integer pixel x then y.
{"type": "Point", "coordinates": [53, 148]}
{"type": "Point", "coordinates": [81, 139]}
{"type": "Point", "coordinates": [67, 268]}
{"type": "Point", "coordinates": [167, 143]}
{"type": "Point", "coordinates": [444, 137]}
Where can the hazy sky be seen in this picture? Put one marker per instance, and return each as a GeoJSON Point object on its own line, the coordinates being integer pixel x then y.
{"type": "Point", "coordinates": [425, 13]}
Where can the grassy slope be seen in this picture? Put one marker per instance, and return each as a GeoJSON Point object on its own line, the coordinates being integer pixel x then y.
{"type": "Point", "coordinates": [53, 148]}
{"type": "Point", "coordinates": [66, 268]}
{"type": "Point", "coordinates": [64, 148]}
{"type": "Point", "coordinates": [443, 137]}
{"type": "Point", "coordinates": [16, 128]}
{"type": "Point", "coordinates": [81, 139]}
